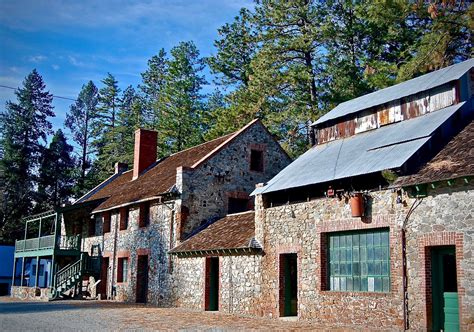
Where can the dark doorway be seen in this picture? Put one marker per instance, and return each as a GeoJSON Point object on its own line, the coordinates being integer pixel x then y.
{"type": "Point", "coordinates": [104, 269]}
{"type": "Point", "coordinates": [288, 285]}
{"type": "Point", "coordinates": [212, 284]}
{"type": "Point", "coordinates": [142, 278]}
{"type": "Point", "coordinates": [445, 306]}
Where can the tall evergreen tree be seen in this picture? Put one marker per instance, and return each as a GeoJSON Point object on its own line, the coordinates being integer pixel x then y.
{"type": "Point", "coordinates": [445, 36]}
{"type": "Point", "coordinates": [153, 82]}
{"type": "Point", "coordinates": [104, 128]}
{"type": "Point", "coordinates": [80, 120]}
{"type": "Point", "coordinates": [182, 102]}
{"type": "Point", "coordinates": [56, 173]}
{"type": "Point", "coordinates": [130, 116]}
{"type": "Point", "coordinates": [24, 126]}
{"type": "Point", "coordinates": [236, 47]}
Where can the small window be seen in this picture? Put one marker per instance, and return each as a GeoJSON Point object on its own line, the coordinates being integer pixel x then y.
{"type": "Point", "coordinates": [122, 272]}
{"type": "Point", "coordinates": [91, 227]}
{"type": "Point", "coordinates": [106, 217]}
{"type": "Point", "coordinates": [123, 218]}
{"type": "Point", "coordinates": [359, 261]}
{"type": "Point", "coordinates": [237, 205]}
{"type": "Point", "coordinates": [256, 160]}
{"type": "Point", "coordinates": [144, 219]}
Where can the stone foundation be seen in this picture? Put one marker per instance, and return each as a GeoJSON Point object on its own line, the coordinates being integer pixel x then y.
{"type": "Point", "coordinates": [30, 293]}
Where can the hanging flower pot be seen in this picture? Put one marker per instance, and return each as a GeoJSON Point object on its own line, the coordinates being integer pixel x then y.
{"type": "Point", "coordinates": [357, 205]}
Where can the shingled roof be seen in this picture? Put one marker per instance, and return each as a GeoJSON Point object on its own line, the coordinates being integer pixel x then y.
{"type": "Point", "coordinates": [160, 178]}
{"type": "Point", "coordinates": [233, 232]}
{"type": "Point", "coordinates": [106, 188]}
{"type": "Point", "coordinates": [455, 160]}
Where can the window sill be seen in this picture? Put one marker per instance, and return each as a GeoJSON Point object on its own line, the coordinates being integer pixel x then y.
{"type": "Point", "coordinates": [356, 293]}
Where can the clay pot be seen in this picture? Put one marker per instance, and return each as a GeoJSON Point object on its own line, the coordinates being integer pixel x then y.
{"type": "Point", "coordinates": [357, 205]}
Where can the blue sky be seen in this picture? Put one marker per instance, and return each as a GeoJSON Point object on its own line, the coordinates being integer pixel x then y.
{"type": "Point", "coordinates": [70, 42]}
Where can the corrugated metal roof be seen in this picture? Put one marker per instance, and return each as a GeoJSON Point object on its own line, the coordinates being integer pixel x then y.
{"type": "Point", "coordinates": [418, 84]}
{"type": "Point", "coordinates": [373, 151]}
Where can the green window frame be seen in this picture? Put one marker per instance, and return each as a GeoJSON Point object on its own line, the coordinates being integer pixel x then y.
{"type": "Point", "coordinates": [359, 261]}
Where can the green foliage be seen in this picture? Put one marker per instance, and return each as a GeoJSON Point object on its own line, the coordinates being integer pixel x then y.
{"type": "Point", "coordinates": [104, 128]}
{"type": "Point", "coordinates": [80, 121]}
{"type": "Point", "coordinates": [153, 82]}
{"type": "Point", "coordinates": [181, 103]}
{"type": "Point", "coordinates": [56, 174]}
{"type": "Point", "coordinates": [24, 126]}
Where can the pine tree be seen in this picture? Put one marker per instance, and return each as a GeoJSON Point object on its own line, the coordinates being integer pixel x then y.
{"type": "Point", "coordinates": [181, 103]}
{"type": "Point", "coordinates": [24, 126]}
{"type": "Point", "coordinates": [129, 118]}
{"type": "Point", "coordinates": [236, 48]}
{"type": "Point", "coordinates": [80, 120]}
{"type": "Point", "coordinates": [104, 128]}
{"type": "Point", "coordinates": [445, 36]}
{"type": "Point", "coordinates": [153, 82]}
{"type": "Point", "coordinates": [56, 173]}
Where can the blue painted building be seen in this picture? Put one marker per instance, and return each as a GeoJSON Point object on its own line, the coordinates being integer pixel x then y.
{"type": "Point", "coordinates": [6, 267]}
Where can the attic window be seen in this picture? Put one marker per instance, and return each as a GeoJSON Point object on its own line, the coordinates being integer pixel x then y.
{"type": "Point", "coordinates": [256, 160]}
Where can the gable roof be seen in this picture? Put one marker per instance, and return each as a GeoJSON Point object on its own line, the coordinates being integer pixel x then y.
{"type": "Point", "coordinates": [235, 231]}
{"type": "Point", "coordinates": [387, 147]}
{"type": "Point", "coordinates": [106, 188]}
{"type": "Point", "coordinates": [404, 89]}
{"type": "Point", "coordinates": [455, 160]}
{"type": "Point", "coordinates": [161, 177]}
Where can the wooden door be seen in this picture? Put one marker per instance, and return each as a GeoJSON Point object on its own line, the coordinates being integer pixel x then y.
{"type": "Point", "coordinates": [445, 311]}
{"type": "Point", "coordinates": [212, 284]}
{"type": "Point", "coordinates": [104, 272]}
{"type": "Point", "coordinates": [142, 279]}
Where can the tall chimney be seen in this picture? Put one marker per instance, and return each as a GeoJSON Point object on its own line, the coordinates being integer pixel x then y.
{"type": "Point", "coordinates": [145, 151]}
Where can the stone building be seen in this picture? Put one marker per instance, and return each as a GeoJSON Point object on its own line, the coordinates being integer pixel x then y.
{"type": "Point", "coordinates": [125, 226]}
{"type": "Point", "coordinates": [372, 227]}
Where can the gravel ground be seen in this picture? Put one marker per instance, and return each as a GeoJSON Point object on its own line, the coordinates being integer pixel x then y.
{"type": "Point", "coordinates": [18, 315]}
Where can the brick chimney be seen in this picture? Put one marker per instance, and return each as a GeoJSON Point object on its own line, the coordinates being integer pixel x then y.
{"type": "Point", "coordinates": [145, 151]}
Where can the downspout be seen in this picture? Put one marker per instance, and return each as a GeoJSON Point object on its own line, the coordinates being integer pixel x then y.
{"type": "Point", "coordinates": [415, 204]}
{"type": "Point", "coordinates": [112, 278]}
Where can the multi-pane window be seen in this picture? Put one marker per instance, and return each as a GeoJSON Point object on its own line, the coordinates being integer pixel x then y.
{"type": "Point", "coordinates": [122, 273]}
{"type": "Point", "coordinates": [359, 261]}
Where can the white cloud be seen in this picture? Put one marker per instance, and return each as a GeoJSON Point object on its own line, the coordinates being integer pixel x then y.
{"type": "Point", "coordinates": [37, 58]}
{"type": "Point", "coordinates": [55, 67]}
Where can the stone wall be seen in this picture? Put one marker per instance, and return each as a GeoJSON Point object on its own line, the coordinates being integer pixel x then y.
{"type": "Point", "coordinates": [445, 217]}
{"type": "Point", "coordinates": [206, 189]}
{"type": "Point", "coordinates": [30, 293]}
{"type": "Point", "coordinates": [239, 283]}
{"type": "Point", "coordinates": [442, 218]}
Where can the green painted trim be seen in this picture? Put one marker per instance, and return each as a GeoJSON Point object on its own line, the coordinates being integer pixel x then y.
{"type": "Point", "coordinates": [35, 253]}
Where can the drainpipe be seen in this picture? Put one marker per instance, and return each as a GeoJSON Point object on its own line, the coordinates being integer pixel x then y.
{"type": "Point", "coordinates": [112, 279]}
{"type": "Point", "coordinates": [415, 204]}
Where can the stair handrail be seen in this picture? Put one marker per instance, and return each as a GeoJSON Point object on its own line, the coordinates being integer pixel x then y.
{"type": "Point", "coordinates": [69, 270]}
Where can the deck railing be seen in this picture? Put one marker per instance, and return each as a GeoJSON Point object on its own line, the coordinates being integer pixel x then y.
{"type": "Point", "coordinates": [47, 242]}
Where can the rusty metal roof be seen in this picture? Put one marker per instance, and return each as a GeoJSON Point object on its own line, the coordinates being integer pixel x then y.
{"type": "Point", "coordinates": [410, 87]}
{"type": "Point", "coordinates": [388, 147]}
